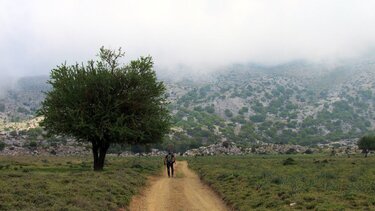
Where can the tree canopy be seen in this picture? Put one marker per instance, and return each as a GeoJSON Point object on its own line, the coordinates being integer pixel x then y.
{"type": "Point", "coordinates": [104, 102]}
{"type": "Point", "coordinates": [367, 143]}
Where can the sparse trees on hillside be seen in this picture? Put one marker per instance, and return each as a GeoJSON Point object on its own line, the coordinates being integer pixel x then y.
{"type": "Point", "coordinates": [104, 102]}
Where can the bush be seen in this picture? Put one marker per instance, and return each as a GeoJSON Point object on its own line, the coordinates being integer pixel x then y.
{"type": "Point", "coordinates": [289, 161]}
{"type": "Point", "coordinates": [226, 144]}
{"type": "Point", "coordinates": [198, 108]}
{"type": "Point", "coordinates": [33, 144]}
{"type": "Point", "coordinates": [309, 151]}
{"type": "Point", "coordinates": [33, 133]}
{"type": "Point", "coordinates": [258, 118]}
{"type": "Point", "coordinates": [210, 109]}
{"type": "Point", "coordinates": [243, 110]}
{"type": "Point", "coordinates": [291, 151]}
{"type": "Point", "coordinates": [277, 180]}
{"type": "Point", "coordinates": [228, 113]}
{"type": "Point", "coordinates": [2, 146]}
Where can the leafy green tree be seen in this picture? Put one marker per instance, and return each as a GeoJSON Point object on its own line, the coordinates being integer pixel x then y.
{"type": "Point", "coordinates": [105, 103]}
{"type": "Point", "coordinates": [366, 144]}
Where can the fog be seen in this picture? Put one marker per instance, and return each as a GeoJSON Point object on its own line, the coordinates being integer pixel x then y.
{"type": "Point", "coordinates": [201, 35]}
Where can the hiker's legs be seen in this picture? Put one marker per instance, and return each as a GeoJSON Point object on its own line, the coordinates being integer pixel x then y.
{"type": "Point", "coordinates": [172, 169]}
{"type": "Point", "coordinates": [168, 169]}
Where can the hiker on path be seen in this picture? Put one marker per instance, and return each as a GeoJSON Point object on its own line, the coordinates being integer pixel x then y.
{"type": "Point", "coordinates": [169, 160]}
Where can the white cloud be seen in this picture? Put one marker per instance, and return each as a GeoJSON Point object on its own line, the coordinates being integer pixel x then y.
{"type": "Point", "coordinates": [36, 35]}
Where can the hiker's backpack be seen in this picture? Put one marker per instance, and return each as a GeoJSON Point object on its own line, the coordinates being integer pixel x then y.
{"type": "Point", "coordinates": [170, 158]}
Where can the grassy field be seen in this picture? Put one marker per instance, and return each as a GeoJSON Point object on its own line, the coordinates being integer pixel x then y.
{"type": "Point", "coordinates": [314, 182]}
{"type": "Point", "coordinates": [55, 183]}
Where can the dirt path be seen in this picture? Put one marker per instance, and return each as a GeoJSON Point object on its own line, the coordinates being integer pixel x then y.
{"type": "Point", "coordinates": [183, 192]}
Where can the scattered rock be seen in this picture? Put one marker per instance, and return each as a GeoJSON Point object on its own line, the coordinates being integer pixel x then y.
{"type": "Point", "coordinates": [221, 148]}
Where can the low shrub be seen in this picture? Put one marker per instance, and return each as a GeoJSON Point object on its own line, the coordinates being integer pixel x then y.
{"type": "Point", "coordinates": [33, 145]}
{"type": "Point", "coordinates": [2, 146]}
{"type": "Point", "coordinates": [289, 161]}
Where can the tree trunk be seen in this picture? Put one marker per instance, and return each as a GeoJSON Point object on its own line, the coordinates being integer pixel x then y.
{"type": "Point", "coordinates": [99, 151]}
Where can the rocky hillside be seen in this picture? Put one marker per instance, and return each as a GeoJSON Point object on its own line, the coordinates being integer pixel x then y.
{"type": "Point", "coordinates": [21, 101]}
{"type": "Point", "coordinates": [295, 103]}
{"type": "Point", "coordinates": [292, 103]}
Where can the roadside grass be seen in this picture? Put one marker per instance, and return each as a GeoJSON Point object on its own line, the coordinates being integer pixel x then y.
{"type": "Point", "coordinates": [315, 182]}
{"type": "Point", "coordinates": [69, 183]}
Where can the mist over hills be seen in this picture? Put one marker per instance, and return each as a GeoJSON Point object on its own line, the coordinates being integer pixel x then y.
{"type": "Point", "coordinates": [298, 102]}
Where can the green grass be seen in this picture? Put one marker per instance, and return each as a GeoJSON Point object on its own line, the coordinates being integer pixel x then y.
{"type": "Point", "coordinates": [55, 183]}
{"type": "Point", "coordinates": [314, 182]}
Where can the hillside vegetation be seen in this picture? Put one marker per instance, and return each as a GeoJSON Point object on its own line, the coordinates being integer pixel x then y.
{"type": "Point", "coordinates": [293, 104]}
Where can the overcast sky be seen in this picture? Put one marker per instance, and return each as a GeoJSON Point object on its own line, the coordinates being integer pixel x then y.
{"type": "Point", "coordinates": [35, 36]}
